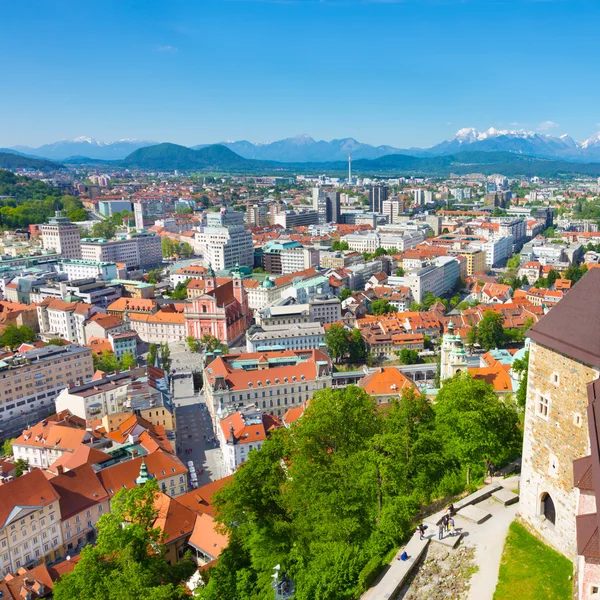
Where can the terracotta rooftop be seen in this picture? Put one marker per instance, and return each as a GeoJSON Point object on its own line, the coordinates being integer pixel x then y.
{"type": "Point", "coordinates": [385, 381]}
{"type": "Point", "coordinates": [572, 327]}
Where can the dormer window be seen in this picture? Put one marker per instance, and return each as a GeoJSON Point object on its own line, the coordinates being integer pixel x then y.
{"type": "Point", "coordinates": [285, 379]}
{"type": "Point", "coordinates": [276, 380]}
{"type": "Point", "coordinates": [249, 384]}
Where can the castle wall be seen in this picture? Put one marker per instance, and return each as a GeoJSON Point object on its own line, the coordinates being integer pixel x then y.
{"type": "Point", "coordinates": [553, 438]}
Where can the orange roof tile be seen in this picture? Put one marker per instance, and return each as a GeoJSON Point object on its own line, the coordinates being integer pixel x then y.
{"type": "Point", "coordinates": [385, 381]}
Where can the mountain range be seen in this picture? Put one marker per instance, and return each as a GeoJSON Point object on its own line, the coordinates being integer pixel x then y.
{"type": "Point", "coordinates": [303, 148]}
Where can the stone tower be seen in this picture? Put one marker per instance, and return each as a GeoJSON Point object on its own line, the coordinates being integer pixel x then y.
{"type": "Point", "coordinates": [564, 357]}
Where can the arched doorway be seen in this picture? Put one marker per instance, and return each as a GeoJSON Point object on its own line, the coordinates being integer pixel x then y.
{"type": "Point", "coordinates": [547, 508]}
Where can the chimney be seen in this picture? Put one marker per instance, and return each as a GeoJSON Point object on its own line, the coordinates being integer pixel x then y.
{"type": "Point", "coordinates": [60, 469]}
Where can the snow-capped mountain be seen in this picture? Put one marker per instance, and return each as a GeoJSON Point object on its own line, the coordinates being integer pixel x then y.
{"type": "Point", "coordinates": [85, 146]}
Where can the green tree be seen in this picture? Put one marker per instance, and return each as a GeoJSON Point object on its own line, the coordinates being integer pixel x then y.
{"type": "Point", "coordinates": [152, 354]}
{"type": "Point", "coordinates": [514, 262]}
{"type": "Point", "coordinates": [7, 447]}
{"type": "Point", "coordinates": [186, 250]}
{"type": "Point", "coordinates": [340, 246]}
{"type": "Point", "coordinates": [180, 291]}
{"type": "Point", "coordinates": [168, 247]}
{"type": "Point", "coordinates": [336, 340]}
{"type": "Point", "coordinates": [357, 348]}
{"type": "Point", "coordinates": [472, 336]}
{"type": "Point", "coordinates": [193, 344]}
{"type": "Point", "coordinates": [128, 361]}
{"type": "Point", "coordinates": [521, 366]}
{"type": "Point", "coordinates": [490, 332]}
{"type": "Point", "coordinates": [165, 357]}
{"type": "Point", "coordinates": [104, 229]}
{"type": "Point", "coordinates": [258, 270]}
{"type": "Point", "coordinates": [77, 215]}
{"type": "Point", "coordinates": [128, 561]}
{"type": "Point", "coordinates": [408, 357]}
{"type": "Point", "coordinates": [345, 294]}
{"type": "Point", "coordinates": [13, 336]}
{"type": "Point", "coordinates": [107, 362]}
{"type": "Point", "coordinates": [212, 343]}
{"type": "Point", "coordinates": [155, 276]}
{"type": "Point", "coordinates": [399, 272]}
{"type": "Point", "coordinates": [382, 307]}
{"type": "Point", "coordinates": [56, 342]}
{"type": "Point", "coordinates": [21, 466]}
{"type": "Point", "coordinates": [475, 424]}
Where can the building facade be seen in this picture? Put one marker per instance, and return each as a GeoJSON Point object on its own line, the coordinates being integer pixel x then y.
{"type": "Point", "coordinates": [61, 236]}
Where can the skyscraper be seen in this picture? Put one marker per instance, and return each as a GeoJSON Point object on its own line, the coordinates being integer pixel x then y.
{"type": "Point", "coordinates": [377, 195]}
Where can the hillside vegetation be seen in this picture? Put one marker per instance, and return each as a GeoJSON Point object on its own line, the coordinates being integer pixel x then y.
{"type": "Point", "coordinates": [29, 201]}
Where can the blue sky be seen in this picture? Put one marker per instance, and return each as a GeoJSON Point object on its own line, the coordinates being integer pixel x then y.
{"type": "Point", "coordinates": [404, 73]}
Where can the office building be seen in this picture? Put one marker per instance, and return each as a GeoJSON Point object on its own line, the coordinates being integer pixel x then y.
{"type": "Point", "coordinates": [136, 250]}
{"type": "Point", "coordinates": [418, 197]}
{"type": "Point", "coordinates": [393, 208]}
{"type": "Point", "coordinates": [107, 208]}
{"type": "Point", "coordinates": [271, 256]}
{"type": "Point", "coordinates": [225, 242]}
{"type": "Point", "coordinates": [257, 215]}
{"type": "Point", "coordinates": [298, 259]}
{"type": "Point", "coordinates": [290, 219]}
{"type": "Point", "coordinates": [61, 236]}
{"type": "Point", "coordinates": [378, 194]}
{"type": "Point", "coordinates": [87, 269]}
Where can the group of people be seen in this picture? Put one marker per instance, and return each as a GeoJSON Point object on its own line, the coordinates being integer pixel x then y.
{"type": "Point", "coordinates": [446, 525]}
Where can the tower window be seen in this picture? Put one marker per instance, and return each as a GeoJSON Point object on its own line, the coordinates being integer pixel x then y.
{"type": "Point", "coordinates": [543, 406]}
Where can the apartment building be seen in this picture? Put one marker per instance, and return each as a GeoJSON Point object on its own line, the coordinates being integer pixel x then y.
{"type": "Point", "coordinates": [136, 250]}
{"type": "Point", "coordinates": [86, 269]}
{"type": "Point", "coordinates": [46, 441]}
{"type": "Point", "coordinates": [82, 501]}
{"type": "Point", "coordinates": [65, 320]}
{"type": "Point", "coordinates": [297, 336]}
{"type": "Point", "coordinates": [274, 381]}
{"type": "Point", "coordinates": [439, 278]}
{"type": "Point", "coordinates": [164, 326]}
{"type": "Point", "coordinates": [61, 236]}
{"type": "Point", "coordinates": [476, 260]}
{"type": "Point", "coordinates": [325, 310]}
{"type": "Point", "coordinates": [30, 518]}
{"type": "Point", "coordinates": [242, 432]}
{"type": "Point", "coordinates": [340, 260]}
{"type": "Point", "coordinates": [142, 389]}
{"type": "Point", "coordinates": [30, 381]}
{"type": "Point", "coordinates": [298, 259]}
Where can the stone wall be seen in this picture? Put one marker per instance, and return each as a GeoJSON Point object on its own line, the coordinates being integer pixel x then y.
{"type": "Point", "coordinates": [552, 442]}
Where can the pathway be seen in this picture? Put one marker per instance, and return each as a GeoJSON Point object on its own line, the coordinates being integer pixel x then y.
{"type": "Point", "coordinates": [487, 540]}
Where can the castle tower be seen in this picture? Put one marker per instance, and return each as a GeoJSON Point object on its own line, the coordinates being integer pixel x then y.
{"type": "Point", "coordinates": [564, 357]}
{"type": "Point", "coordinates": [457, 361]}
{"type": "Point", "coordinates": [447, 346]}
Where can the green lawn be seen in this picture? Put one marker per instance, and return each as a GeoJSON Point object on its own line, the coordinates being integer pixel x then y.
{"type": "Point", "coordinates": [530, 570]}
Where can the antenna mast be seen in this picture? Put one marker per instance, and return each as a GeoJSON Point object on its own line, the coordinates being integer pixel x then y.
{"type": "Point", "coordinates": [349, 168]}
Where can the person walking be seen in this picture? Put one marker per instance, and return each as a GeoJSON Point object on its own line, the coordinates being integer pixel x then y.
{"type": "Point", "coordinates": [441, 531]}
{"type": "Point", "coordinates": [445, 519]}
{"type": "Point", "coordinates": [421, 530]}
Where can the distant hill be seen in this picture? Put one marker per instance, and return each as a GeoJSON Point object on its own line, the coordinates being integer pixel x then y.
{"type": "Point", "coordinates": [10, 160]}
{"type": "Point", "coordinates": [168, 157]}
{"type": "Point", "coordinates": [84, 146]}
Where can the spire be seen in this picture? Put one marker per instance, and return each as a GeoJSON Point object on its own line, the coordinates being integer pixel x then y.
{"type": "Point", "coordinates": [211, 271]}
{"type": "Point", "coordinates": [450, 326]}
{"type": "Point", "coordinates": [144, 476]}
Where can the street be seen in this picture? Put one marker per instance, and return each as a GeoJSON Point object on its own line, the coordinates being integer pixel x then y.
{"type": "Point", "coordinates": [194, 427]}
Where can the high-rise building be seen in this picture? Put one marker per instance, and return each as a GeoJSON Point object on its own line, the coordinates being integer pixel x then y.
{"type": "Point", "coordinates": [138, 212]}
{"type": "Point", "coordinates": [62, 236]}
{"type": "Point", "coordinates": [418, 197]}
{"type": "Point", "coordinates": [225, 241]}
{"type": "Point", "coordinates": [257, 215]}
{"type": "Point", "coordinates": [377, 195]}
{"type": "Point", "coordinates": [334, 209]}
{"type": "Point", "coordinates": [392, 209]}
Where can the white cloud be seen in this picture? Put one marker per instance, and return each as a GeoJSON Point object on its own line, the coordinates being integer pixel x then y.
{"type": "Point", "coordinates": [166, 49]}
{"type": "Point", "coordinates": [546, 125]}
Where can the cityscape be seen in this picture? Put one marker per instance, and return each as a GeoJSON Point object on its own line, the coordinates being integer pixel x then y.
{"type": "Point", "coordinates": [239, 362]}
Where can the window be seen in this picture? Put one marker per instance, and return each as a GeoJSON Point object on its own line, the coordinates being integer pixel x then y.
{"type": "Point", "coordinates": [577, 419]}
{"type": "Point", "coordinates": [547, 508]}
{"type": "Point", "coordinates": [555, 379]}
{"type": "Point", "coordinates": [542, 406]}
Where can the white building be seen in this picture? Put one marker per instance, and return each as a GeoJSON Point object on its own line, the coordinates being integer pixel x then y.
{"type": "Point", "coordinates": [88, 269]}
{"type": "Point", "coordinates": [29, 523]}
{"type": "Point", "coordinates": [62, 236]}
{"type": "Point", "coordinates": [371, 241]}
{"type": "Point", "coordinates": [136, 250]}
{"type": "Point", "coordinates": [325, 310]}
{"type": "Point", "coordinates": [65, 320]}
{"type": "Point", "coordinates": [225, 242]}
{"type": "Point", "coordinates": [439, 278]}
{"type": "Point", "coordinates": [297, 336]}
{"type": "Point", "coordinates": [497, 250]}
{"type": "Point", "coordinates": [242, 432]}
{"type": "Point", "coordinates": [298, 259]}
